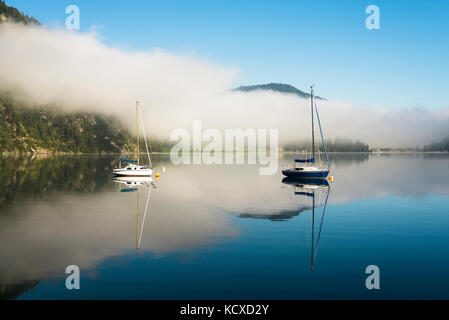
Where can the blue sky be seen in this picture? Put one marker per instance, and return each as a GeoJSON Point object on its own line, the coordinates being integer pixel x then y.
{"type": "Point", "coordinates": [404, 64]}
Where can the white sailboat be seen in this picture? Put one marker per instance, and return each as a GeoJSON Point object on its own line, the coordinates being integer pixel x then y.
{"type": "Point", "coordinates": [134, 169]}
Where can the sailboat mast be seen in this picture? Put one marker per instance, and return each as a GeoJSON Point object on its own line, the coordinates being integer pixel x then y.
{"type": "Point", "coordinates": [313, 132]}
{"type": "Point", "coordinates": [137, 121]}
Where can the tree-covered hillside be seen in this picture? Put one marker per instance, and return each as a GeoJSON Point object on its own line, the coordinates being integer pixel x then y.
{"type": "Point", "coordinates": [8, 13]}
{"type": "Point", "coordinates": [43, 129]}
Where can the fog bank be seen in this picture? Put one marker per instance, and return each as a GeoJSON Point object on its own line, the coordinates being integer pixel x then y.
{"type": "Point", "coordinates": [78, 72]}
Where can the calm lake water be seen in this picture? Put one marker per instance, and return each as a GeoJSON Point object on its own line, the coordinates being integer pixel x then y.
{"type": "Point", "coordinates": [224, 231]}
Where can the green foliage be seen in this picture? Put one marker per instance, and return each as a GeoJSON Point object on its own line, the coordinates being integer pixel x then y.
{"type": "Point", "coordinates": [15, 15]}
{"type": "Point", "coordinates": [26, 129]}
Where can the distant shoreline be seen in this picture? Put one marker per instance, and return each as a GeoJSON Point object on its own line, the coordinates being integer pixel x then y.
{"type": "Point", "coordinates": [9, 154]}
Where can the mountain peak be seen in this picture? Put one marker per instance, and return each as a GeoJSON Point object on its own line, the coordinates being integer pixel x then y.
{"type": "Point", "coordinates": [278, 87]}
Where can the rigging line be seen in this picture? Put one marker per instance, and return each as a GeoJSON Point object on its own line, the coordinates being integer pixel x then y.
{"type": "Point", "coordinates": [145, 138]}
{"type": "Point", "coordinates": [321, 132]}
{"type": "Point", "coordinates": [144, 215]}
{"type": "Point", "coordinates": [304, 142]}
{"type": "Point", "coordinates": [321, 225]}
{"type": "Point", "coordinates": [313, 127]}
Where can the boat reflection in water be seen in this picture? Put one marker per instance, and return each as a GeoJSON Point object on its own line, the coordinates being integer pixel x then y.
{"type": "Point", "coordinates": [316, 193]}
{"type": "Point", "coordinates": [131, 184]}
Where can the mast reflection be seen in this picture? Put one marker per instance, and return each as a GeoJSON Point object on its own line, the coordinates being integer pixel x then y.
{"type": "Point", "coordinates": [317, 190]}
{"type": "Point", "coordinates": [133, 184]}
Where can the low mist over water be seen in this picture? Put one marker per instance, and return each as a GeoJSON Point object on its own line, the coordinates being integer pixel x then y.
{"type": "Point", "coordinates": [224, 228]}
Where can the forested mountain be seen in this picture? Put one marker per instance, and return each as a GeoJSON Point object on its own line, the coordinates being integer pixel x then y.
{"type": "Point", "coordinates": [49, 130]}
{"type": "Point", "coordinates": [278, 87]}
{"type": "Point", "coordinates": [46, 129]}
{"type": "Point", "coordinates": [11, 14]}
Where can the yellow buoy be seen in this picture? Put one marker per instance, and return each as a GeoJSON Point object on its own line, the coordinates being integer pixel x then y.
{"type": "Point", "coordinates": [158, 175]}
{"type": "Point", "coordinates": [331, 178]}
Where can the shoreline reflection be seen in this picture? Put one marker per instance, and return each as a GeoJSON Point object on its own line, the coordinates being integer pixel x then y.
{"type": "Point", "coordinates": [57, 211]}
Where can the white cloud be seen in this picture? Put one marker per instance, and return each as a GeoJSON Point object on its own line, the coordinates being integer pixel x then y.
{"type": "Point", "coordinates": [77, 71]}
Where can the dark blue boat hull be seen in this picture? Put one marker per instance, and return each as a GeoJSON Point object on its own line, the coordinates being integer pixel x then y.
{"type": "Point", "coordinates": [321, 174]}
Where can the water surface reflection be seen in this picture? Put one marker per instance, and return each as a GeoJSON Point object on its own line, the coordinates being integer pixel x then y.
{"type": "Point", "coordinates": [232, 232]}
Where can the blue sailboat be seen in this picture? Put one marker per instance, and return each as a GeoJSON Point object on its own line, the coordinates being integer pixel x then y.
{"type": "Point", "coordinates": [308, 169]}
